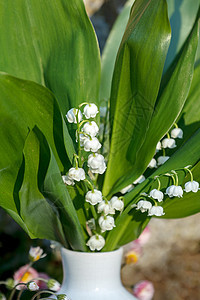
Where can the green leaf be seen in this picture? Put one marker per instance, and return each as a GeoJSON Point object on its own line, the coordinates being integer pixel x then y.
{"type": "Point", "coordinates": [23, 105]}
{"type": "Point", "coordinates": [52, 43]}
{"type": "Point", "coordinates": [56, 191]}
{"type": "Point", "coordinates": [182, 16]}
{"type": "Point", "coordinates": [110, 51]}
{"type": "Point", "coordinates": [167, 108]}
{"type": "Point", "coordinates": [38, 214]}
{"type": "Point", "coordinates": [130, 223]}
{"type": "Point", "coordinates": [135, 85]}
{"type": "Point", "coordinates": [189, 119]}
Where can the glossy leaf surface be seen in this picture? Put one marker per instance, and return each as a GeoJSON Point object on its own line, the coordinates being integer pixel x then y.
{"type": "Point", "coordinates": [135, 85]}
{"type": "Point", "coordinates": [52, 43]}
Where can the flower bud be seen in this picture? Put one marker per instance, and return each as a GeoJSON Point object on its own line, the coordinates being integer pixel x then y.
{"type": "Point", "coordinates": [156, 211]}
{"type": "Point", "coordinates": [116, 203]}
{"type": "Point", "coordinates": [152, 164]}
{"type": "Point", "coordinates": [71, 115]}
{"type": "Point", "coordinates": [53, 285]}
{"type": "Point", "coordinates": [96, 242]}
{"type": "Point", "coordinates": [127, 189]}
{"type": "Point", "coordinates": [191, 186]}
{"type": "Point", "coordinates": [62, 297]}
{"type": "Point", "coordinates": [158, 195]}
{"type": "Point", "coordinates": [177, 133]}
{"type": "Point", "coordinates": [10, 283]}
{"type": "Point", "coordinates": [90, 110]}
{"type": "Point", "coordinates": [143, 205]}
{"type": "Point", "coordinates": [76, 174]}
{"type": "Point", "coordinates": [143, 290]}
{"type": "Point", "coordinates": [168, 143]}
{"type": "Point", "coordinates": [139, 179]}
{"type": "Point", "coordinates": [91, 128]}
{"type": "Point", "coordinates": [68, 180]}
{"type": "Point", "coordinates": [92, 144]}
{"type": "Point", "coordinates": [162, 159]}
{"type": "Point", "coordinates": [106, 223]}
{"type": "Point", "coordinates": [32, 286]}
{"type": "Point", "coordinates": [93, 197]}
{"type": "Point", "coordinates": [158, 146]}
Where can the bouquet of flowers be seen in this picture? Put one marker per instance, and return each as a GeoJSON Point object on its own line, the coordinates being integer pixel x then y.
{"type": "Point", "coordinates": [92, 148]}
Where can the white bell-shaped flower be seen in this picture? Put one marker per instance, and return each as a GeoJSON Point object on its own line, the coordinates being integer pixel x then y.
{"type": "Point", "coordinates": [106, 223]}
{"type": "Point", "coordinates": [91, 128]}
{"type": "Point", "coordinates": [105, 208]}
{"type": "Point", "coordinates": [96, 242]}
{"type": "Point", "coordinates": [152, 164]}
{"type": "Point", "coordinates": [158, 146]}
{"type": "Point", "coordinates": [91, 144]}
{"type": "Point", "coordinates": [72, 115]}
{"type": "Point", "coordinates": [156, 211]}
{"type": "Point", "coordinates": [96, 163]}
{"type": "Point", "coordinates": [139, 179]}
{"type": "Point", "coordinates": [93, 197]}
{"type": "Point", "coordinates": [157, 195]}
{"type": "Point", "coordinates": [76, 174]}
{"type": "Point", "coordinates": [191, 186]}
{"type": "Point", "coordinates": [168, 143]}
{"type": "Point", "coordinates": [90, 111]}
{"type": "Point", "coordinates": [68, 180]}
{"type": "Point", "coordinates": [174, 191]}
{"type": "Point", "coordinates": [127, 189]}
{"type": "Point", "coordinates": [177, 133]}
{"type": "Point", "coordinates": [116, 203]}
{"type": "Point", "coordinates": [144, 205]}
{"type": "Point", "coordinates": [162, 159]}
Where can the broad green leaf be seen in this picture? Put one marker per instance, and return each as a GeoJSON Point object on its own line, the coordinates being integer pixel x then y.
{"type": "Point", "coordinates": [182, 16]}
{"type": "Point", "coordinates": [189, 119]}
{"type": "Point", "coordinates": [135, 85]}
{"type": "Point", "coordinates": [130, 223]}
{"type": "Point", "coordinates": [110, 51]}
{"type": "Point", "coordinates": [167, 108]}
{"type": "Point", "coordinates": [52, 43]}
{"type": "Point", "coordinates": [56, 191]}
{"type": "Point", "coordinates": [38, 214]}
{"type": "Point", "coordinates": [23, 105]}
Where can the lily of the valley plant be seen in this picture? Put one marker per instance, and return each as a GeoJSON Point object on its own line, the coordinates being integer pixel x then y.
{"type": "Point", "coordinates": [92, 148]}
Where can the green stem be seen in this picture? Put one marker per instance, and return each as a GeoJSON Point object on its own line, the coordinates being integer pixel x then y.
{"type": "Point", "coordinates": [164, 153]}
{"type": "Point", "coordinates": [90, 185]}
{"type": "Point", "coordinates": [159, 184]}
{"type": "Point", "coordinates": [93, 212]}
{"type": "Point", "coordinates": [168, 136]}
{"type": "Point", "coordinates": [175, 125]}
{"type": "Point", "coordinates": [42, 292]}
{"type": "Point", "coordinates": [19, 295]}
{"type": "Point", "coordinates": [191, 175]}
{"type": "Point", "coordinates": [3, 282]}
{"type": "Point", "coordinates": [14, 290]}
{"type": "Point", "coordinates": [176, 176]}
{"type": "Point", "coordinates": [84, 103]}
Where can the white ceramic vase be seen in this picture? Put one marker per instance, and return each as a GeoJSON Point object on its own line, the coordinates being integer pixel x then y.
{"type": "Point", "coordinates": [93, 276]}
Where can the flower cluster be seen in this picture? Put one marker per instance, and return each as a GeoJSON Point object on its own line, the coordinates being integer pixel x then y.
{"type": "Point", "coordinates": [167, 142]}
{"type": "Point", "coordinates": [156, 195]}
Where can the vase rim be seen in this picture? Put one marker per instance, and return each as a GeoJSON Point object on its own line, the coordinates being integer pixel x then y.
{"type": "Point", "coordinates": [119, 250]}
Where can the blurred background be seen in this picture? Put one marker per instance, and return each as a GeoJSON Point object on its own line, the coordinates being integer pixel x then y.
{"type": "Point", "coordinates": [170, 259]}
